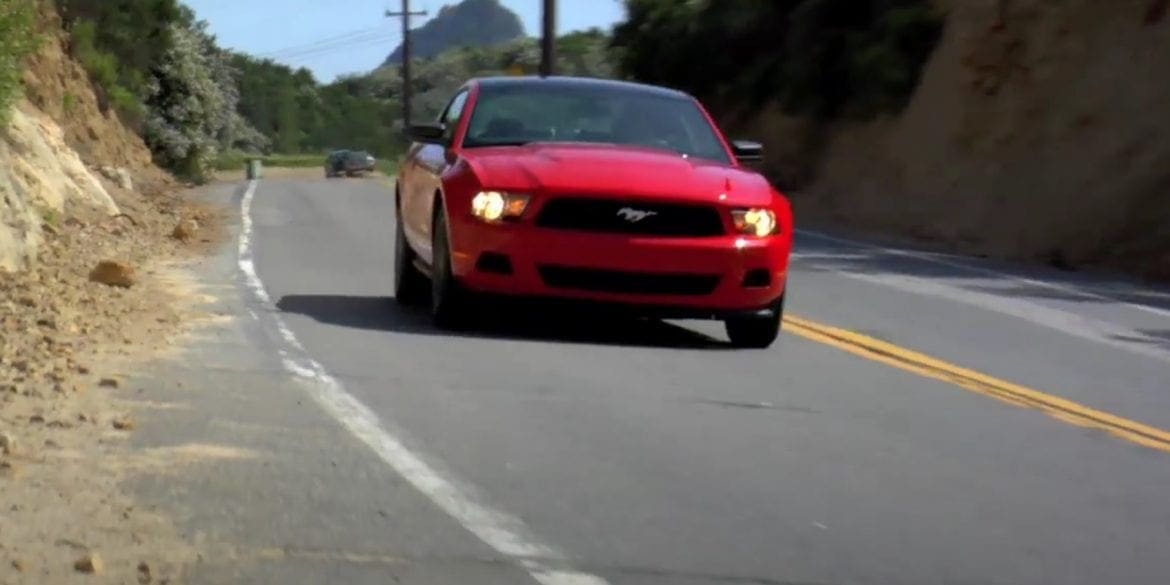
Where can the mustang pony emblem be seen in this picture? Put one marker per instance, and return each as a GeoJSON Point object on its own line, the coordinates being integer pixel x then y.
{"type": "Point", "coordinates": [634, 215]}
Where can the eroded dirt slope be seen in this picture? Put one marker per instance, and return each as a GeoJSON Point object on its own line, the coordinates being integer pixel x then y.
{"type": "Point", "coordinates": [1044, 136]}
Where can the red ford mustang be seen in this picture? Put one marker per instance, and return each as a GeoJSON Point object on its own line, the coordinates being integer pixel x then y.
{"type": "Point", "coordinates": [590, 190]}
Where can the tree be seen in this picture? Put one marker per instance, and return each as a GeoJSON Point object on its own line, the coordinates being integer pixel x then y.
{"type": "Point", "coordinates": [826, 58]}
{"type": "Point", "coordinates": [191, 99]}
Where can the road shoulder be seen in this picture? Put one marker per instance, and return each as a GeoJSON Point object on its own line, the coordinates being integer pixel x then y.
{"type": "Point", "coordinates": [107, 295]}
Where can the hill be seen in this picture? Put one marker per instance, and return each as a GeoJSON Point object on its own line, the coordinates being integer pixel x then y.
{"type": "Point", "coordinates": [1019, 129]}
{"type": "Point", "coordinates": [471, 23]}
{"type": "Point", "coordinates": [583, 53]}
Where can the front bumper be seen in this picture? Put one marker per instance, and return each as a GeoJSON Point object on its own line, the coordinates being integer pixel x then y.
{"type": "Point", "coordinates": [717, 277]}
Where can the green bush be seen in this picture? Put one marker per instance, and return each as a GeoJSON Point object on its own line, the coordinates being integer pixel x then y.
{"type": "Point", "coordinates": [388, 166]}
{"type": "Point", "coordinates": [105, 72]}
{"type": "Point", "coordinates": [18, 39]}
{"type": "Point", "coordinates": [230, 161]}
{"type": "Point", "coordinates": [236, 161]}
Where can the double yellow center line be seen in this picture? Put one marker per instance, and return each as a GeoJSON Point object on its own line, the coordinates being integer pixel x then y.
{"type": "Point", "coordinates": [918, 363]}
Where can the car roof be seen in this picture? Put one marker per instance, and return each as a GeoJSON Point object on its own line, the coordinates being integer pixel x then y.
{"type": "Point", "coordinates": [565, 82]}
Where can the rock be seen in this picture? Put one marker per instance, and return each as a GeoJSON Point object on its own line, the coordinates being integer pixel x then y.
{"type": "Point", "coordinates": [123, 179]}
{"type": "Point", "coordinates": [7, 443]}
{"type": "Point", "coordinates": [18, 565]}
{"type": "Point", "coordinates": [144, 576]}
{"type": "Point", "coordinates": [108, 383]}
{"type": "Point", "coordinates": [111, 273]}
{"type": "Point", "coordinates": [36, 419]}
{"type": "Point", "coordinates": [123, 424]}
{"type": "Point", "coordinates": [185, 230]}
{"type": "Point", "coordinates": [7, 468]}
{"type": "Point", "coordinates": [90, 564]}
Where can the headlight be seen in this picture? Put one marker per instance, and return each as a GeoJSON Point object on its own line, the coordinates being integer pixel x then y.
{"type": "Point", "coordinates": [755, 222]}
{"type": "Point", "coordinates": [495, 206]}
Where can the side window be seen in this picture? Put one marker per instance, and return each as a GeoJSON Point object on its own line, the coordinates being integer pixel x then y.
{"type": "Point", "coordinates": [453, 113]}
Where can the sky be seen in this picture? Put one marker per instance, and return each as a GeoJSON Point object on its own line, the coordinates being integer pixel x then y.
{"type": "Point", "coordinates": [335, 37]}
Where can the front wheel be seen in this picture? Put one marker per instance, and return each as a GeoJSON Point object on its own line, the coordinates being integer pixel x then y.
{"type": "Point", "coordinates": [757, 331]}
{"type": "Point", "coordinates": [449, 302]}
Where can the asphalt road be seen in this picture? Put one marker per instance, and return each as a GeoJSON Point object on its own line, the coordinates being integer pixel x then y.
{"type": "Point", "coordinates": [563, 450]}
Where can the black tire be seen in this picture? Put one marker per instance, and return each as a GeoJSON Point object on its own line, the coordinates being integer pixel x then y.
{"type": "Point", "coordinates": [410, 286]}
{"type": "Point", "coordinates": [756, 332]}
{"type": "Point", "coordinates": [449, 302]}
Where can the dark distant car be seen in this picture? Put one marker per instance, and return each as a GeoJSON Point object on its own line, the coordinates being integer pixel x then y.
{"type": "Point", "coordinates": [350, 163]}
{"type": "Point", "coordinates": [596, 191]}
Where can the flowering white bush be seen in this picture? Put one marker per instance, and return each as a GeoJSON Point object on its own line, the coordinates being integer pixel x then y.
{"type": "Point", "coordinates": [191, 106]}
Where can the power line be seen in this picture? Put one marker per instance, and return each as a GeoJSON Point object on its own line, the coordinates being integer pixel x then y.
{"type": "Point", "coordinates": [333, 47]}
{"type": "Point", "coordinates": [329, 41]}
{"type": "Point", "coordinates": [373, 42]}
{"type": "Point", "coordinates": [340, 43]}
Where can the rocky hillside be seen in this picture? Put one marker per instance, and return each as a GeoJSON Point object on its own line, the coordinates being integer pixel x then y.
{"type": "Point", "coordinates": [471, 23]}
{"type": "Point", "coordinates": [1038, 133]}
{"type": "Point", "coordinates": [61, 156]}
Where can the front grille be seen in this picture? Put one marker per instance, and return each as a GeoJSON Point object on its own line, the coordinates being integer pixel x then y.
{"type": "Point", "coordinates": [625, 217]}
{"type": "Point", "coordinates": [613, 281]}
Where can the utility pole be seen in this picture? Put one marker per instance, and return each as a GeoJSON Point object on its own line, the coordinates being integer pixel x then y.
{"type": "Point", "coordinates": [548, 48]}
{"type": "Point", "coordinates": [405, 15]}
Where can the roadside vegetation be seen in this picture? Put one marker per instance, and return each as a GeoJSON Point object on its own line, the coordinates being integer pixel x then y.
{"type": "Point", "coordinates": [822, 58]}
{"type": "Point", "coordinates": [157, 66]}
{"type": "Point", "coordinates": [18, 38]}
{"type": "Point", "coordinates": [238, 161]}
{"type": "Point", "coordinates": [199, 106]}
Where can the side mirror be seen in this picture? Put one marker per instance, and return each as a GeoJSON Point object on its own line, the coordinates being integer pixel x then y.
{"type": "Point", "coordinates": [433, 133]}
{"type": "Point", "coordinates": [748, 152]}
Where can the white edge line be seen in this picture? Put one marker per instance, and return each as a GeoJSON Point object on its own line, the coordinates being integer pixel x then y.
{"type": "Point", "coordinates": [506, 534]}
{"type": "Point", "coordinates": [979, 269]}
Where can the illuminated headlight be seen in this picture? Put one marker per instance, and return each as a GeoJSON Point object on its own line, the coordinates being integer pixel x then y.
{"type": "Point", "coordinates": [496, 206]}
{"type": "Point", "coordinates": [755, 222]}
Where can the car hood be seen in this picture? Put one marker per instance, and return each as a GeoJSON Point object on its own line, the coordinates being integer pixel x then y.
{"type": "Point", "coordinates": [614, 170]}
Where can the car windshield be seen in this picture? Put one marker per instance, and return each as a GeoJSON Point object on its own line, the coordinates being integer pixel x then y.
{"type": "Point", "coordinates": [522, 113]}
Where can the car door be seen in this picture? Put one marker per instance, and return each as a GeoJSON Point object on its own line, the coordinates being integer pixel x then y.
{"type": "Point", "coordinates": [428, 164]}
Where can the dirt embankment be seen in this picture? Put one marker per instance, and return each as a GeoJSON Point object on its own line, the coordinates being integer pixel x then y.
{"type": "Point", "coordinates": [1040, 133]}
{"type": "Point", "coordinates": [92, 241]}
{"type": "Point", "coordinates": [61, 151]}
